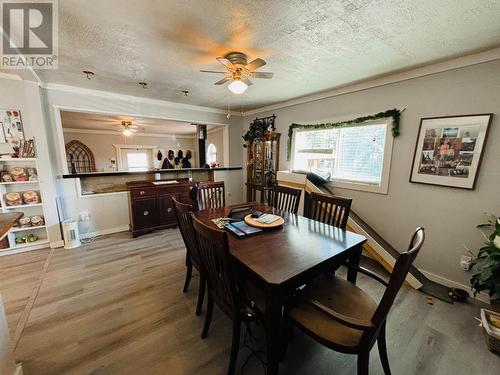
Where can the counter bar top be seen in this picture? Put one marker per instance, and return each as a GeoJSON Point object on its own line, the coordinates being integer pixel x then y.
{"type": "Point", "coordinates": [124, 173]}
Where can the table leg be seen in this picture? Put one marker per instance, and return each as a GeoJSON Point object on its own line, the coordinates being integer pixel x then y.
{"type": "Point", "coordinates": [274, 307]}
{"type": "Point", "coordinates": [353, 264]}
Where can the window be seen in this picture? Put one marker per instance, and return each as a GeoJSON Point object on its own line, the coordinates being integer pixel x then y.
{"type": "Point", "coordinates": [356, 157]}
{"type": "Point", "coordinates": [79, 155]}
{"type": "Point", "coordinates": [211, 154]}
{"type": "Point", "coordinates": [135, 159]}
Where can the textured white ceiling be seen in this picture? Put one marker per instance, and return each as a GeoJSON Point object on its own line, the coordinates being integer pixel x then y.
{"type": "Point", "coordinates": [98, 121]}
{"type": "Point", "coordinates": [310, 45]}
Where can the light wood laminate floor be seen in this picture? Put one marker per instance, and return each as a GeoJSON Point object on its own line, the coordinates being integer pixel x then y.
{"type": "Point", "coordinates": [115, 306]}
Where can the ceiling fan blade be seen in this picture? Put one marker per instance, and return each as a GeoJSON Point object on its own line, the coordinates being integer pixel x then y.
{"type": "Point", "coordinates": [255, 64]}
{"type": "Point", "coordinates": [265, 75]}
{"type": "Point", "coordinates": [222, 81]}
{"type": "Point", "coordinates": [212, 71]}
{"type": "Point", "coordinates": [247, 81]}
{"type": "Point", "coordinates": [228, 64]}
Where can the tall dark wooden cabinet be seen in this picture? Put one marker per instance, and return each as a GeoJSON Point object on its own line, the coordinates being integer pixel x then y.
{"type": "Point", "coordinates": [262, 164]}
{"type": "Point", "coordinates": [151, 205]}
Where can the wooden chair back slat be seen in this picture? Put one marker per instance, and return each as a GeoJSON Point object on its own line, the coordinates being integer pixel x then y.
{"type": "Point", "coordinates": [284, 198]}
{"type": "Point", "coordinates": [183, 213]}
{"type": "Point", "coordinates": [211, 195]}
{"type": "Point", "coordinates": [213, 249]}
{"type": "Point", "coordinates": [329, 209]}
{"type": "Point", "coordinates": [251, 192]}
{"type": "Point", "coordinates": [398, 276]}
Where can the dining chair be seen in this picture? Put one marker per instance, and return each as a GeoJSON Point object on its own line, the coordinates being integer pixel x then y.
{"type": "Point", "coordinates": [342, 317]}
{"type": "Point", "coordinates": [185, 221]}
{"type": "Point", "coordinates": [329, 209]}
{"type": "Point", "coordinates": [215, 262]}
{"type": "Point", "coordinates": [211, 195]}
{"type": "Point", "coordinates": [284, 198]}
{"type": "Point", "coordinates": [255, 193]}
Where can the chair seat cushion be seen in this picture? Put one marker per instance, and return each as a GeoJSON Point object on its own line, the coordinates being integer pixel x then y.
{"type": "Point", "coordinates": [340, 296]}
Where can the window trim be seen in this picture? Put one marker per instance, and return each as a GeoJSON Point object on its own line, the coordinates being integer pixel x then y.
{"type": "Point", "coordinates": [383, 188]}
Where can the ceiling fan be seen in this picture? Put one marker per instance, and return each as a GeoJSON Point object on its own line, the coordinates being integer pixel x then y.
{"type": "Point", "coordinates": [239, 71]}
{"type": "Point", "coordinates": [128, 128]}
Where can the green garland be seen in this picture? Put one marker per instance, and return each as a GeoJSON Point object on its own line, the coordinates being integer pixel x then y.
{"type": "Point", "coordinates": [394, 113]}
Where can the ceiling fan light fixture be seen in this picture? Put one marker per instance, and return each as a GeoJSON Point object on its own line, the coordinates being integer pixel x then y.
{"type": "Point", "coordinates": [237, 87]}
{"type": "Point", "coordinates": [126, 132]}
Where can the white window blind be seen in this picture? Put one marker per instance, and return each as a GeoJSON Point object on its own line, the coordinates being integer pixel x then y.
{"type": "Point", "coordinates": [137, 159]}
{"type": "Point", "coordinates": [361, 154]}
{"type": "Point", "coordinates": [352, 154]}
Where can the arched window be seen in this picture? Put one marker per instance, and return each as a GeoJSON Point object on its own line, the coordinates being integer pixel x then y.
{"type": "Point", "coordinates": [211, 154]}
{"type": "Point", "coordinates": [81, 155]}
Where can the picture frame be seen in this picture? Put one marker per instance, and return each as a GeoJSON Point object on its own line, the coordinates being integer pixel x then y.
{"type": "Point", "coordinates": [449, 150]}
{"type": "Point", "coordinates": [12, 130]}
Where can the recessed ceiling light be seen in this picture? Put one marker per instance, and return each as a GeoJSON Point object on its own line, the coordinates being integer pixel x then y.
{"type": "Point", "coordinates": [89, 74]}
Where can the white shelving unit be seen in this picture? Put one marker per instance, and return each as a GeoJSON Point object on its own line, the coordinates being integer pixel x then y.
{"type": "Point", "coordinates": [27, 209]}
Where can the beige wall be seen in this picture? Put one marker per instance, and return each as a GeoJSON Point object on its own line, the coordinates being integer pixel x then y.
{"type": "Point", "coordinates": [449, 215]}
{"type": "Point", "coordinates": [217, 138]}
{"type": "Point", "coordinates": [103, 150]}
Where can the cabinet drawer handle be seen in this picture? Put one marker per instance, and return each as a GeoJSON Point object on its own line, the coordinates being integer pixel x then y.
{"type": "Point", "coordinates": [142, 192]}
{"type": "Point", "coordinates": [146, 213]}
{"type": "Point", "coordinates": [169, 209]}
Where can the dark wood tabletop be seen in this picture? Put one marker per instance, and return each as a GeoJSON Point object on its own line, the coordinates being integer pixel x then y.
{"type": "Point", "coordinates": [280, 254]}
{"type": "Point", "coordinates": [7, 221]}
{"type": "Point", "coordinates": [281, 260]}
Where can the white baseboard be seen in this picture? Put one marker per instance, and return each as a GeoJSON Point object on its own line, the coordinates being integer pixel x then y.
{"type": "Point", "coordinates": [483, 297]}
{"type": "Point", "coordinates": [102, 232]}
{"type": "Point", "coordinates": [56, 244]}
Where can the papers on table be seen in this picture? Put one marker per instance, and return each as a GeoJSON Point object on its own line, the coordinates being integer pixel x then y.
{"type": "Point", "coordinates": [168, 182]}
{"type": "Point", "coordinates": [267, 218]}
{"type": "Point", "coordinates": [222, 221]}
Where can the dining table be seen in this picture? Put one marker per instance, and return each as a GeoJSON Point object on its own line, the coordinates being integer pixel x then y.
{"type": "Point", "coordinates": [280, 260]}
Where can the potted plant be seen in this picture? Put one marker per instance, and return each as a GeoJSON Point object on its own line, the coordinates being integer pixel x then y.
{"type": "Point", "coordinates": [255, 132]}
{"type": "Point", "coordinates": [486, 265]}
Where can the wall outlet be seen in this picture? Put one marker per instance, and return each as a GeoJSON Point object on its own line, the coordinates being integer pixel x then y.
{"type": "Point", "coordinates": [84, 216]}
{"type": "Point", "coordinates": [465, 262]}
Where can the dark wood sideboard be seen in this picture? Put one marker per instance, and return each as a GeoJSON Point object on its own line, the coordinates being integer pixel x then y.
{"type": "Point", "coordinates": [151, 205]}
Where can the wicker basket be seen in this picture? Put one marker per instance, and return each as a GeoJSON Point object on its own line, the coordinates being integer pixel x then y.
{"type": "Point", "coordinates": [491, 333]}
